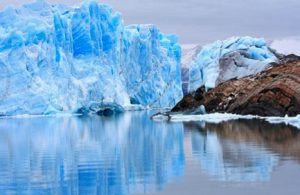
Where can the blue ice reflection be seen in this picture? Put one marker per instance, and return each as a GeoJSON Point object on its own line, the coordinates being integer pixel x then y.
{"type": "Point", "coordinates": [89, 155]}
{"type": "Point", "coordinates": [132, 154]}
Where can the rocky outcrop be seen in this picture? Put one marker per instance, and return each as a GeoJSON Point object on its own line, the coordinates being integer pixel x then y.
{"type": "Point", "coordinates": [273, 92]}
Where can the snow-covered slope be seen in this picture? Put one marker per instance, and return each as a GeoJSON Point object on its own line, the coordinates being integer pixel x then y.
{"type": "Point", "coordinates": [55, 58]}
{"type": "Point", "coordinates": [289, 45]}
{"type": "Point", "coordinates": [232, 58]}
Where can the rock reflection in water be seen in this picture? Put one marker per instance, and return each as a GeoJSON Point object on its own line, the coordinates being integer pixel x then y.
{"type": "Point", "coordinates": [243, 150]}
{"type": "Point", "coordinates": [89, 155]}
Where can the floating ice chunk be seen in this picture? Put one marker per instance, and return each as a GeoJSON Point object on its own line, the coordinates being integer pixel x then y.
{"type": "Point", "coordinates": [294, 121]}
{"type": "Point", "coordinates": [211, 118]}
{"type": "Point", "coordinates": [219, 117]}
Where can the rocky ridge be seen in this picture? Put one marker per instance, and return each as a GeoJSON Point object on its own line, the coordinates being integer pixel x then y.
{"type": "Point", "coordinates": [273, 92]}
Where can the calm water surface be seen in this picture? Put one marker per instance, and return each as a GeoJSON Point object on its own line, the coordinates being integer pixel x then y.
{"type": "Point", "coordinates": [131, 154]}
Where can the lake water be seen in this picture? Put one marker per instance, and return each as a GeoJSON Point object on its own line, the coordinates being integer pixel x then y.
{"type": "Point", "coordinates": [130, 154]}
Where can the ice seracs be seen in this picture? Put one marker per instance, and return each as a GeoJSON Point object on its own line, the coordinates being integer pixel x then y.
{"type": "Point", "coordinates": [235, 57]}
{"type": "Point", "coordinates": [55, 58]}
{"type": "Point", "coordinates": [150, 63]}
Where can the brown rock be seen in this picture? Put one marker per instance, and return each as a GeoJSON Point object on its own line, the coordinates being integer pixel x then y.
{"type": "Point", "coordinates": [274, 92]}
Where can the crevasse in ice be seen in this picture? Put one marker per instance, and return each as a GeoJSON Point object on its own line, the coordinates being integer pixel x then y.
{"type": "Point", "coordinates": [55, 58]}
{"type": "Point", "coordinates": [235, 57]}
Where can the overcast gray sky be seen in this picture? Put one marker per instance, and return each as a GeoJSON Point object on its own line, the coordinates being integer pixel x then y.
{"type": "Point", "coordinates": [203, 21]}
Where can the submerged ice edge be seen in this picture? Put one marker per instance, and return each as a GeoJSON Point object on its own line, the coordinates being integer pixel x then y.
{"type": "Point", "coordinates": [128, 108]}
{"type": "Point", "coordinates": [220, 117]}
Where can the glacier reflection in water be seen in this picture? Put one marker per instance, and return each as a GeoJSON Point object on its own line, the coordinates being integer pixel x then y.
{"type": "Point", "coordinates": [132, 154]}
{"type": "Point", "coordinates": [89, 155]}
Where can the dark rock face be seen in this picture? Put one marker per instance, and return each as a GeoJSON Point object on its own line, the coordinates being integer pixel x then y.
{"type": "Point", "coordinates": [284, 59]}
{"type": "Point", "coordinates": [191, 101]}
{"type": "Point", "coordinates": [273, 92]}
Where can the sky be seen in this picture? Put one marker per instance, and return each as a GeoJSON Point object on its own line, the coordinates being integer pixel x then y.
{"type": "Point", "coordinates": [204, 21]}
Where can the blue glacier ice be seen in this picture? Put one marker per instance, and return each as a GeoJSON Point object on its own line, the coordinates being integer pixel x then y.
{"type": "Point", "coordinates": [151, 61]}
{"type": "Point", "coordinates": [57, 59]}
{"type": "Point", "coordinates": [235, 57]}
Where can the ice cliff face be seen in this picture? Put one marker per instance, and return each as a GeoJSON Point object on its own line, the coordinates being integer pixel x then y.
{"type": "Point", "coordinates": [233, 58]}
{"type": "Point", "coordinates": [55, 58]}
{"type": "Point", "coordinates": [151, 66]}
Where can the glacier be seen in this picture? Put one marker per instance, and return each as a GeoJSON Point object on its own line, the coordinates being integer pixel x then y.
{"type": "Point", "coordinates": [235, 57]}
{"type": "Point", "coordinates": [60, 59]}
{"type": "Point", "coordinates": [151, 66]}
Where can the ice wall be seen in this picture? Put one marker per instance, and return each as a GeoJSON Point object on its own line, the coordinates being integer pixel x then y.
{"type": "Point", "coordinates": [151, 66]}
{"type": "Point", "coordinates": [55, 58]}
